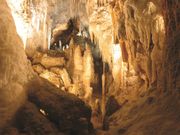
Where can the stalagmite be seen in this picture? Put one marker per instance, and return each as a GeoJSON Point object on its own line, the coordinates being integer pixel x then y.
{"type": "Point", "coordinates": [117, 64]}
{"type": "Point", "coordinates": [119, 57]}
{"type": "Point", "coordinates": [49, 36]}
{"type": "Point", "coordinates": [88, 72]}
{"type": "Point", "coordinates": [78, 65]}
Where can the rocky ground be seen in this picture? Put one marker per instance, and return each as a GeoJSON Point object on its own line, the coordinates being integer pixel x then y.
{"type": "Point", "coordinates": [51, 111]}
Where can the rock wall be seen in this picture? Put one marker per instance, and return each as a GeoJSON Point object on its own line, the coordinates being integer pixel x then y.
{"type": "Point", "coordinates": [15, 70]}
{"type": "Point", "coordinates": [26, 99]}
{"type": "Point", "coordinates": [35, 20]}
{"type": "Point", "coordinates": [33, 24]}
{"type": "Point", "coordinates": [139, 28]}
{"type": "Point", "coordinates": [141, 116]}
{"type": "Point", "coordinates": [172, 49]}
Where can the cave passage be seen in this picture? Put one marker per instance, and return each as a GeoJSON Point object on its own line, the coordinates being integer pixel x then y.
{"type": "Point", "coordinates": [89, 67]}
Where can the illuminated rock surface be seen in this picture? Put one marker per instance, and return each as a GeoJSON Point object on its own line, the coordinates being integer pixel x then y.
{"type": "Point", "coordinates": [119, 56]}
{"type": "Point", "coordinates": [15, 84]}
{"type": "Point", "coordinates": [15, 70]}
{"type": "Point", "coordinates": [70, 114]}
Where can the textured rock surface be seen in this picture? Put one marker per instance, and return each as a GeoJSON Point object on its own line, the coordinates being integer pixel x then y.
{"type": "Point", "coordinates": [48, 61]}
{"type": "Point", "coordinates": [33, 24]}
{"type": "Point", "coordinates": [50, 111]}
{"type": "Point", "coordinates": [143, 75]}
{"type": "Point", "coordinates": [149, 115]}
{"type": "Point", "coordinates": [148, 35]}
{"type": "Point", "coordinates": [52, 62]}
{"type": "Point", "coordinates": [53, 68]}
{"type": "Point", "coordinates": [51, 77]}
{"type": "Point", "coordinates": [30, 120]}
{"type": "Point", "coordinates": [16, 74]}
{"type": "Point", "coordinates": [15, 70]}
{"type": "Point", "coordinates": [40, 16]}
{"type": "Point", "coordinates": [70, 114]}
{"type": "Point", "coordinates": [139, 28]}
{"type": "Point", "coordinates": [38, 68]}
{"type": "Point", "coordinates": [63, 75]}
{"type": "Point", "coordinates": [172, 55]}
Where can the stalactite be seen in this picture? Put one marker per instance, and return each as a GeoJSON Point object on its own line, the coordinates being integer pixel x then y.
{"type": "Point", "coordinates": [88, 72]}
{"type": "Point", "coordinates": [32, 24]}
{"type": "Point", "coordinates": [49, 35]}
{"type": "Point", "coordinates": [75, 7]}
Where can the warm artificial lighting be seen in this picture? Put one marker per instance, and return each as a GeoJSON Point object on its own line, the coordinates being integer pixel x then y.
{"type": "Point", "coordinates": [22, 25]}
{"type": "Point", "coordinates": [151, 8]}
{"type": "Point", "coordinates": [119, 68]}
{"type": "Point", "coordinates": [28, 19]}
{"type": "Point", "coordinates": [22, 28]}
{"type": "Point", "coordinates": [43, 112]}
{"type": "Point", "coordinates": [116, 52]}
{"type": "Point", "coordinates": [88, 72]}
{"type": "Point", "coordinates": [160, 26]}
{"type": "Point", "coordinates": [116, 61]}
{"type": "Point", "coordinates": [51, 77]}
{"type": "Point", "coordinates": [79, 33]}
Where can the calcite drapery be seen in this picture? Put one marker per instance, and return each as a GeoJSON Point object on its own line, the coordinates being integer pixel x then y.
{"type": "Point", "coordinates": [33, 24]}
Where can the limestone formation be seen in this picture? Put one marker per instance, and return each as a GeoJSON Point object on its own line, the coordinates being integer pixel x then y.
{"type": "Point", "coordinates": [15, 70]}
{"type": "Point", "coordinates": [70, 114]}
{"type": "Point", "coordinates": [38, 68]}
{"type": "Point", "coordinates": [118, 58]}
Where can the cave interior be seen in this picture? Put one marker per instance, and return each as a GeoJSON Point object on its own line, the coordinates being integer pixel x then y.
{"type": "Point", "coordinates": [89, 67]}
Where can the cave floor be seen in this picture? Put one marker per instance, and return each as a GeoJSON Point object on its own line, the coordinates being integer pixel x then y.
{"type": "Point", "coordinates": [54, 110]}
{"type": "Point", "coordinates": [146, 114]}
